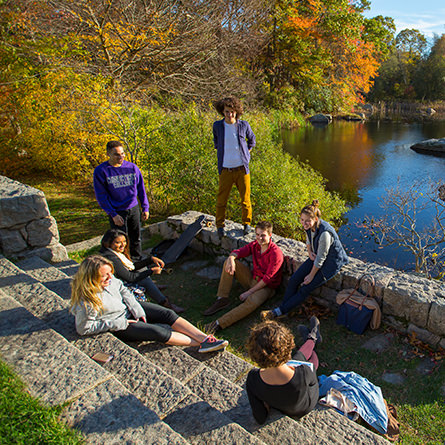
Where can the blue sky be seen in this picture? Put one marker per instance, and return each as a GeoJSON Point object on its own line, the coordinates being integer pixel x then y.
{"type": "Point", "coordinates": [426, 16]}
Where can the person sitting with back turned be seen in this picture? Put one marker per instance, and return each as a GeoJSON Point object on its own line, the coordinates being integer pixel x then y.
{"type": "Point", "coordinates": [118, 184]}
{"type": "Point", "coordinates": [233, 140]}
{"type": "Point", "coordinates": [326, 257]}
{"type": "Point", "coordinates": [283, 382]}
{"type": "Point", "coordinates": [115, 248]}
{"type": "Point", "coordinates": [100, 303]}
{"type": "Point", "coordinates": [260, 284]}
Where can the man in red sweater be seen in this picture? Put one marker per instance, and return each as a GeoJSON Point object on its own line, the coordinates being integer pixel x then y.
{"type": "Point", "coordinates": [260, 283]}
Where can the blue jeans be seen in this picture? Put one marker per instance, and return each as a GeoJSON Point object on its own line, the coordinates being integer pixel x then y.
{"type": "Point", "coordinates": [152, 290]}
{"type": "Point", "coordinates": [296, 292]}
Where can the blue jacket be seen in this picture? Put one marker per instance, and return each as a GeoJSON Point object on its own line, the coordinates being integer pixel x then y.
{"type": "Point", "coordinates": [336, 257]}
{"type": "Point", "coordinates": [367, 397]}
{"type": "Point", "coordinates": [246, 140]}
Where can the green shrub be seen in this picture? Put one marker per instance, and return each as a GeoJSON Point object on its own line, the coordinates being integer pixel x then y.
{"type": "Point", "coordinates": [181, 168]}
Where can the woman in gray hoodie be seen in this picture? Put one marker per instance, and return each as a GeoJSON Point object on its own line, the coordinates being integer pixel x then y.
{"type": "Point", "coordinates": [100, 302]}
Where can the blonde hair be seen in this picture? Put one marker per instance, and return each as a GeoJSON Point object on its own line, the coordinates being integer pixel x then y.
{"type": "Point", "coordinates": [85, 286]}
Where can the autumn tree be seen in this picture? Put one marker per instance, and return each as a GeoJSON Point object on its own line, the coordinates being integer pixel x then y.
{"type": "Point", "coordinates": [45, 106]}
{"type": "Point", "coordinates": [317, 53]}
{"type": "Point", "coordinates": [380, 31]}
{"type": "Point", "coordinates": [179, 47]}
{"type": "Point", "coordinates": [429, 77]}
{"type": "Point", "coordinates": [396, 76]}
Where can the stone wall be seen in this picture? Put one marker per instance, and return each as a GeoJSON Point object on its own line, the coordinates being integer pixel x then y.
{"type": "Point", "coordinates": [409, 303]}
{"type": "Point", "coordinates": [26, 226]}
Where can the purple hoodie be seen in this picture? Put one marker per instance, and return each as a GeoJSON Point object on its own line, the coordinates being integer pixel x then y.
{"type": "Point", "coordinates": [118, 188]}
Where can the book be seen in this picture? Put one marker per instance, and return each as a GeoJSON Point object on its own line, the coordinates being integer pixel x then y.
{"type": "Point", "coordinates": [295, 363]}
{"type": "Point", "coordinates": [102, 357]}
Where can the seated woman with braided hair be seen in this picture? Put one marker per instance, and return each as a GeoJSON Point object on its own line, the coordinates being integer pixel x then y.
{"type": "Point", "coordinates": [100, 302]}
{"type": "Point", "coordinates": [286, 383]}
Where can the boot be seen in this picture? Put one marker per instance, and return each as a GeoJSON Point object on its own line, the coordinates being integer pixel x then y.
{"type": "Point", "coordinates": [315, 333]}
{"type": "Point", "coordinates": [168, 304]}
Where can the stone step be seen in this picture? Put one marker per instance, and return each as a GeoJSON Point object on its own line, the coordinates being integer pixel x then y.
{"type": "Point", "coordinates": [69, 267]}
{"type": "Point", "coordinates": [58, 373]}
{"type": "Point", "coordinates": [52, 277]}
{"type": "Point", "coordinates": [160, 392]}
{"type": "Point", "coordinates": [222, 382]}
{"type": "Point", "coordinates": [219, 381]}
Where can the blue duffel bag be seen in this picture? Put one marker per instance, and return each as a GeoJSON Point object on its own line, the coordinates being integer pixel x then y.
{"type": "Point", "coordinates": [352, 312]}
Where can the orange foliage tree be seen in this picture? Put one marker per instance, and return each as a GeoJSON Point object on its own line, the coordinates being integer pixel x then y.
{"type": "Point", "coordinates": [317, 51]}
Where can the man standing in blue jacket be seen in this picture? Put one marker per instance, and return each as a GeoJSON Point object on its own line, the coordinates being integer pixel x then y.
{"type": "Point", "coordinates": [233, 139]}
{"type": "Point", "coordinates": [118, 184]}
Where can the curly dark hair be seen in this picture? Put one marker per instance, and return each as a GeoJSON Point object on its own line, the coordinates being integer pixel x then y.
{"type": "Point", "coordinates": [270, 344]}
{"type": "Point", "coordinates": [231, 102]}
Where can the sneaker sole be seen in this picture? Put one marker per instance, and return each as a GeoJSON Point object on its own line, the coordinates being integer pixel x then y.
{"type": "Point", "coordinates": [215, 348]}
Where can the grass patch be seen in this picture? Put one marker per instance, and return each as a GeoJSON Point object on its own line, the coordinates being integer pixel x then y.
{"type": "Point", "coordinates": [74, 207]}
{"type": "Point", "coordinates": [81, 254]}
{"type": "Point", "coordinates": [76, 211]}
{"type": "Point", "coordinates": [24, 420]}
{"type": "Point", "coordinates": [419, 401]}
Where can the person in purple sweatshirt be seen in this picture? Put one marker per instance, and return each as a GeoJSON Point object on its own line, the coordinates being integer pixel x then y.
{"type": "Point", "coordinates": [118, 184]}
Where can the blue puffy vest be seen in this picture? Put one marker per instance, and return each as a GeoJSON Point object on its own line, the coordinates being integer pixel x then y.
{"type": "Point", "coordinates": [336, 257]}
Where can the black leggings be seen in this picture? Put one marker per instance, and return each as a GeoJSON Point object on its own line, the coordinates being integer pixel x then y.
{"type": "Point", "coordinates": [152, 331]}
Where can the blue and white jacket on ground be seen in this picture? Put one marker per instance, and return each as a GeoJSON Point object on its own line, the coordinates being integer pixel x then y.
{"type": "Point", "coordinates": [367, 397]}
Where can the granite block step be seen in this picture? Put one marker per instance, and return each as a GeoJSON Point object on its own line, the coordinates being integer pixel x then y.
{"type": "Point", "coordinates": [69, 267]}
{"type": "Point", "coordinates": [58, 373]}
{"type": "Point", "coordinates": [221, 382]}
{"type": "Point", "coordinates": [220, 390]}
{"type": "Point", "coordinates": [182, 384]}
{"type": "Point", "coordinates": [53, 278]}
{"type": "Point", "coordinates": [158, 390]}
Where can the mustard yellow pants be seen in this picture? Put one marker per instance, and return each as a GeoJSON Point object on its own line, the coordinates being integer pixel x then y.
{"type": "Point", "coordinates": [227, 178]}
{"type": "Point", "coordinates": [244, 277]}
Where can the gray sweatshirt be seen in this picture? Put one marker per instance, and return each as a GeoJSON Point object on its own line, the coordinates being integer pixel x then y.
{"type": "Point", "coordinates": [119, 304]}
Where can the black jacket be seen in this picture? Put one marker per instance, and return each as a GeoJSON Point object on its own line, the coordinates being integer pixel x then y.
{"type": "Point", "coordinates": [121, 272]}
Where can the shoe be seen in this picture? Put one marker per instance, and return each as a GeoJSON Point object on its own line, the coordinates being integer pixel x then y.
{"type": "Point", "coordinates": [247, 229]}
{"type": "Point", "coordinates": [314, 324]}
{"type": "Point", "coordinates": [219, 304]}
{"type": "Point", "coordinates": [178, 309]}
{"type": "Point", "coordinates": [220, 231]}
{"type": "Point", "coordinates": [212, 344]}
{"type": "Point", "coordinates": [304, 332]}
{"type": "Point", "coordinates": [267, 315]}
{"type": "Point", "coordinates": [212, 327]}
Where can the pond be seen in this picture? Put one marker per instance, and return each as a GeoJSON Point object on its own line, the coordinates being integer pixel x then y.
{"type": "Point", "coordinates": [362, 160]}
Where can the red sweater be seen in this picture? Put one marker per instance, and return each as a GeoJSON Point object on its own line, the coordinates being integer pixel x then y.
{"type": "Point", "coordinates": [266, 266]}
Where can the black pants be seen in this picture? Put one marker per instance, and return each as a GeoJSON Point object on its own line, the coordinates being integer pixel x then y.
{"type": "Point", "coordinates": [150, 331]}
{"type": "Point", "coordinates": [132, 227]}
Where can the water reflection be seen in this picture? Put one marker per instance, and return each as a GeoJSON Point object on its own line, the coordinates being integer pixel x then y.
{"type": "Point", "coordinates": [361, 160]}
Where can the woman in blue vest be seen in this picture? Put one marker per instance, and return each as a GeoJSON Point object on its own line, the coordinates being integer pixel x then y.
{"type": "Point", "coordinates": [326, 258]}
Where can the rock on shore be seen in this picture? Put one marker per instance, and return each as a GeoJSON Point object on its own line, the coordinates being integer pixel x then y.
{"type": "Point", "coordinates": [431, 146]}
